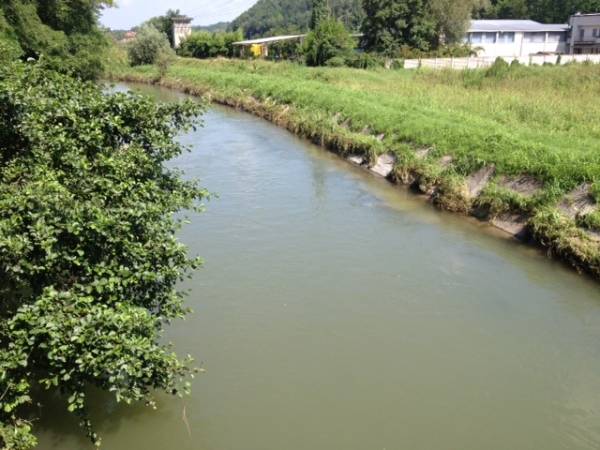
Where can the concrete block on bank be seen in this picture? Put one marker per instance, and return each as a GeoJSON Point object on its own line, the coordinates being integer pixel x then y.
{"type": "Point", "coordinates": [384, 165]}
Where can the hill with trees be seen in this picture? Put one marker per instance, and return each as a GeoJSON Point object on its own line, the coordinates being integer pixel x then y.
{"type": "Point", "coordinates": [272, 17]}
{"type": "Point", "coordinates": [545, 11]}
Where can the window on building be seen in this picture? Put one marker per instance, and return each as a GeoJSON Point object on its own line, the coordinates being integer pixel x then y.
{"type": "Point", "coordinates": [537, 38]}
{"type": "Point", "coordinates": [475, 38]}
{"type": "Point", "coordinates": [556, 37]}
{"type": "Point", "coordinates": [482, 38]}
{"type": "Point", "coordinates": [506, 38]}
{"type": "Point", "coordinates": [489, 38]}
{"type": "Point", "coordinates": [581, 34]}
{"type": "Point", "coordinates": [595, 33]}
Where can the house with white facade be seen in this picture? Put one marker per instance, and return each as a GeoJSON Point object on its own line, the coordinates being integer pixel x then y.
{"type": "Point", "coordinates": [517, 38]}
{"type": "Point", "coordinates": [585, 34]}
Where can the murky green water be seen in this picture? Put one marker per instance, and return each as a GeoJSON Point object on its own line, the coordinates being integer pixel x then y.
{"type": "Point", "coordinates": [336, 312]}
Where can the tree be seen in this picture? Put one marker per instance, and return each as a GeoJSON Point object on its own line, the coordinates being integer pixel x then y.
{"type": "Point", "coordinates": [390, 24]}
{"type": "Point", "coordinates": [320, 12]}
{"type": "Point", "coordinates": [164, 24]}
{"type": "Point", "coordinates": [202, 44]}
{"type": "Point", "coordinates": [329, 40]}
{"type": "Point", "coordinates": [452, 18]}
{"type": "Point", "coordinates": [63, 34]}
{"type": "Point", "coordinates": [89, 262]}
{"type": "Point", "coordinates": [148, 45]}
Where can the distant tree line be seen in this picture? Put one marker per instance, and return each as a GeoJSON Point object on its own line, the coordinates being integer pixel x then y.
{"type": "Point", "coordinates": [545, 11]}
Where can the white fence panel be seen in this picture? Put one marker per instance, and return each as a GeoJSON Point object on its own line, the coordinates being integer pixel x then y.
{"type": "Point", "coordinates": [483, 62]}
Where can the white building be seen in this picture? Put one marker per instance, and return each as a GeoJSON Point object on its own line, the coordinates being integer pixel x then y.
{"type": "Point", "coordinates": [182, 28]}
{"type": "Point", "coordinates": [585, 34]}
{"type": "Point", "coordinates": [517, 38]}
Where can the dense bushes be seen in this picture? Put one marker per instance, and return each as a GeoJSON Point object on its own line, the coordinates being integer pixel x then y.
{"type": "Point", "coordinates": [329, 40]}
{"type": "Point", "coordinates": [148, 47]}
{"type": "Point", "coordinates": [62, 34]}
{"type": "Point", "coordinates": [88, 258]}
{"type": "Point", "coordinates": [210, 45]}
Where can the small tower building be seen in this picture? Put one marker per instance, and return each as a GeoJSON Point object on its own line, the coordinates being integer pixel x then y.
{"type": "Point", "coordinates": [182, 28]}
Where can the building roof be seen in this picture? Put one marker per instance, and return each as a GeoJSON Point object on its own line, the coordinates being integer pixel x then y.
{"type": "Point", "coordinates": [514, 25]}
{"type": "Point", "coordinates": [268, 40]}
{"type": "Point", "coordinates": [182, 19]}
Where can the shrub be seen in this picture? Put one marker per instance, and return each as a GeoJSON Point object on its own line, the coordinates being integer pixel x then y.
{"type": "Point", "coordinates": [147, 46]}
{"type": "Point", "coordinates": [499, 69]}
{"type": "Point", "coordinates": [397, 64]}
{"type": "Point", "coordinates": [329, 40]}
{"type": "Point", "coordinates": [336, 61]}
{"type": "Point", "coordinates": [209, 45]}
{"type": "Point", "coordinates": [83, 184]}
{"type": "Point", "coordinates": [163, 62]}
{"type": "Point", "coordinates": [361, 60]}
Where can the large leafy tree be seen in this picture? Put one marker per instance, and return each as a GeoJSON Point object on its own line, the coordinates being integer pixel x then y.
{"type": "Point", "coordinates": [329, 40]}
{"type": "Point", "coordinates": [390, 24]}
{"type": "Point", "coordinates": [320, 12]}
{"type": "Point", "coordinates": [89, 261]}
{"type": "Point", "coordinates": [452, 18]}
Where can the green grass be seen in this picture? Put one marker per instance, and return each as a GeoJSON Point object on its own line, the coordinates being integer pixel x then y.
{"type": "Point", "coordinates": [539, 121]}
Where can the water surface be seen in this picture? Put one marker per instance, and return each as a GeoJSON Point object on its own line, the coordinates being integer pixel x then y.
{"type": "Point", "coordinates": [337, 312]}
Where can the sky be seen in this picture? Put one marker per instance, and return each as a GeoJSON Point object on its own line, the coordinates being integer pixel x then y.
{"type": "Point", "coordinates": [130, 13]}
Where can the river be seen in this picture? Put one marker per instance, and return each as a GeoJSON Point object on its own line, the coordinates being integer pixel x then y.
{"type": "Point", "coordinates": [338, 312]}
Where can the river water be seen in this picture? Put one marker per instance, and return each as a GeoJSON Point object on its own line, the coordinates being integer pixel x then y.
{"type": "Point", "coordinates": [337, 312]}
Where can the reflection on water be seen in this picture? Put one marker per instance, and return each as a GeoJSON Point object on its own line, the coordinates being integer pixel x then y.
{"type": "Point", "coordinates": [338, 312]}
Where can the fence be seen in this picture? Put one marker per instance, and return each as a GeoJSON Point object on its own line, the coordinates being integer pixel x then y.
{"type": "Point", "coordinates": [483, 62]}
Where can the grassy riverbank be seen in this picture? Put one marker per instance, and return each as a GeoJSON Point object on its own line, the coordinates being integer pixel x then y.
{"type": "Point", "coordinates": [518, 146]}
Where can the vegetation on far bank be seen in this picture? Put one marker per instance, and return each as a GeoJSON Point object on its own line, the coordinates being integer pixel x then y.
{"type": "Point", "coordinates": [273, 17]}
{"type": "Point", "coordinates": [535, 122]}
{"type": "Point", "coordinates": [89, 262]}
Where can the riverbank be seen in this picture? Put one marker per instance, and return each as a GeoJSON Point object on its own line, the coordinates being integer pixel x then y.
{"type": "Point", "coordinates": [519, 148]}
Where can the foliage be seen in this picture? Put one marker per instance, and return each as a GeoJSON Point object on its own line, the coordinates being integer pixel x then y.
{"type": "Point", "coordinates": [362, 60]}
{"type": "Point", "coordinates": [336, 61]}
{"type": "Point", "coordinates": [164, 60]}
{"type": "Point", "coordinates": [203, 44]}
{"type": "Point", "coordinates": [164, 24]}
{"type": "Point", "coordinates": [499, 69]}
{"type": "Point", "coordinates": [88, 257]}
{"type": "Point", "coordinates": [286, 50]}
{"type": "Point", "coordinates": [536, 120]}
{"type": "Point", "coordinates": [272, 17]}
{"type": "Point", "coordinates": [452, 18]}
{"type": "Point", "coordinates": [546, 11]}
{"type": "Point", "coordinates": [148, 46]}
{"type": "Point", "coordinates": [329, 40]}
{"type": "Point", "coordinates": [62, 33]}
{"type": "Point", "coordinates": [389, 24]}
{"type": "Point", "coordinates": [319, 13]}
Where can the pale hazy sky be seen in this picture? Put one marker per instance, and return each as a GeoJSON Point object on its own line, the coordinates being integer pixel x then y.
{"type": "Point", "coordinates": [205, 12]}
